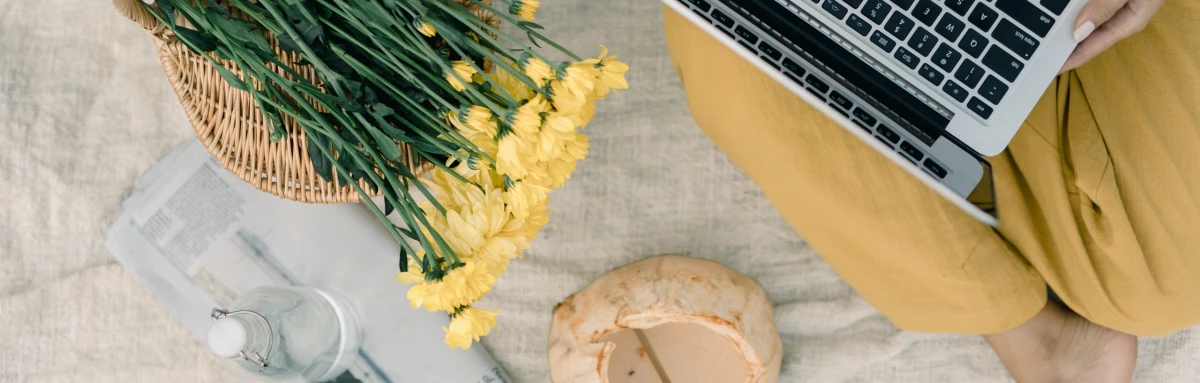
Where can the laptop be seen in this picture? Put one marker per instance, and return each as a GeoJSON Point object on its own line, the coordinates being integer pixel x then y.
{"type": "Point", "coordinates": [934, 85]}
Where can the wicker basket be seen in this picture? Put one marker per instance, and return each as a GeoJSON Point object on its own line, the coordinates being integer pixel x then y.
{"type": "Point", "coordinates": [229, 124]}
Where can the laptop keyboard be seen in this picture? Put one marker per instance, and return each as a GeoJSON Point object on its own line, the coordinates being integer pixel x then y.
{"type": "Point", "coordinates": [973, 50]}
{"type": "Point", "coordinates": [910, 150]}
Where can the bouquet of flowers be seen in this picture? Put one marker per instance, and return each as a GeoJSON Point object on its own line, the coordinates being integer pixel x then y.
{"type": "Point", "coordinates": [497, 122]}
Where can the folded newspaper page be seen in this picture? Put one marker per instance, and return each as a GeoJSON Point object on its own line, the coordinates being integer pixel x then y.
{"type": "Point", "coordinates": [198, 237]}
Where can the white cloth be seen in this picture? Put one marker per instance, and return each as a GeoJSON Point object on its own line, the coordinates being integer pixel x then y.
{"type": "Point", "coordinates": [85, 108]}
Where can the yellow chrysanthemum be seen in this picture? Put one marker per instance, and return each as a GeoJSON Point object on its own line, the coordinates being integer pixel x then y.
{"type": "Point", "coordinates": [473, 119]}
{"type": "Point", "coordinates": [463, 70]}
{"type": "Point", "coordinates": [426, 28]}
{"type": "Point", "coordinates": [537, 69]}
{"type": "Point", "coordinates": [564, 99]}
{"type": "Point", "coordinates": [512, 156]}
{"type": "Point", "coordinates": [520, 198]}
{"type": "Point", "coordinates": [526, 119]}
{"type": "Point", "coordinates": [610, 73]}
{"type": "Point", "coordinates": [468, 325]}
{"type": "Point", "coordinates": [509, 81]}
{"type": "Point", "coordinates": [524, 9]}
{"type": "Point", "coordinates": [580, 78]}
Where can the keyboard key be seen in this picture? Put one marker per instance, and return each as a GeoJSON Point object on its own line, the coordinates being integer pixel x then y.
{"type": "Point", "coordinates": [927, 11]}
{"type": "Point", "coordinates": [907, 58]}
{"type": "Point", "coordinates": [973, 43]}
{"type": "Point", "coordinates": [932, 75]}
{"type": "Point", "coordinates": [1002, 63]}
{"type": "Point", "coordinates": [835, 8]}
{"type": "Point", "coordinates": [946, 57]}
{"type": "Point", "coordinates": [993, 90]}
{"type": "Point", "coordinates": [861, 125]}
{"type": "Point", "coordinates": [722, 18]}
{"type": "Point", "coordinates": [867, 118]}
{"type": "Point", "coordinates": [977, 106]}
{"type": "Point", "coordinates": [935, 168]}
{"type": "Point", "coordinates": [858, 25]}
{"type": "Point", "coordinates": [841, 100]}
{"type": "Point", "coordinates": [876, 11]}
{"type": "Point", "coordinates": [854, 4]}
{"type": "Point", "coordinates": [817, 84]}
{"type": "Point", "coordinates": [1015, 39]}
{"type": "Point", "coordinates": [960, 6]}
{"type": "Point", "coordinates": [746, 34]}
{"type": "Point", "coordinates": [840, 111]}
{"type": "Point", "coordinates": [969, 74]}
{"type": "Point", "coordinates": [702, 16]}
{"type": "Point", "coordinates": [903, 4]}
{"type": "Point", "coordinates": [748, 46]}
{"type": "Point", "coordinates": [791, 66]}
{"type": "Point", "coordinates": [950, 27]}
{"type": "Point", "coordinates": [702, 4]}
{"type": "Point", "coordinates": [983, 17]}
{"type": "Point", "coordinates": [1056, 6]}
{"type": "Point", "coordinates": [911, 151]}
{"type": "Point", "coordinates": [816, 93]}
{"type": "Point", "coordinates": [899, 26]}
{"type": "Point", "coordinates": [728, 34]}
{"type": "Point", "coordinates": [1028, 15]}
{"type": "Point", "coordinates": [794, 78]}
{"type": "Point", "coordinates": [771, 63]}
{"type": "Point", "coordinates": [888, 134]}
{"type": "Point", "coordinates": [769, 50]}
{"type": "Point", "coordinates": [922, 41]}
{"type": "Point", "coordinates": [954, 91]}
{"type": "Point", "coordinates": [883, 41]}
{"type": "Point", "coordinates": [884, 141]}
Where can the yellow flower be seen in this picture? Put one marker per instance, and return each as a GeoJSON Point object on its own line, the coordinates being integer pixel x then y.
{"type": "Point", "coordinates": [466, 284]}
{"type": "Point", "coordinates": [564, 99]}
{"type": "Point", "coordinates": [557, 130]}
{"type": "Point", "coordinates": [469, 324]}
{"type": "Point", "coordinates": [426, 28]}
{"type": "Point", "coordinates": [462, 69]}
{"type": "Point", "coordinates": [509, 81]}
{"type": "Point", "coordinates": [611, 73]}
{"type": "Point", "coordinates": [526, 119]}
{"type": "Point", "coordinates": [520, 198]}
{"type": "Point", "coordinates": [528, 227]}
{"type": "Point", "coordinates": [512, 156]}
{"type": "Point", "coordinates": [580, 79]}
{"type": "Point", "coordinates": [473, 119]}
{"type": "Point", "coordinates": [537, 69]}
{"type": "Point", "coordinates": [524, 9]}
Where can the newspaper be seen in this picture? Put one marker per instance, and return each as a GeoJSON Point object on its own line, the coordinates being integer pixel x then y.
{"type": "Point", "coordinates": [198, 237]}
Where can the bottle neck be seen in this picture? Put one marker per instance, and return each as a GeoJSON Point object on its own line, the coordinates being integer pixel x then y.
{"type": "Point", "coordinates": [261, 341]}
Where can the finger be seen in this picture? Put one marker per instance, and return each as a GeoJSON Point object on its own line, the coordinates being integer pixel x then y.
{"type": "Point", "coordinates": [1095, 14]}
{"type": "Point", "coordinates": [1129, 20]}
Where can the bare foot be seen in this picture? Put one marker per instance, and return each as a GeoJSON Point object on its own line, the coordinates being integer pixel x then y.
{"type": "Point", "coordinates": [1058, 345]}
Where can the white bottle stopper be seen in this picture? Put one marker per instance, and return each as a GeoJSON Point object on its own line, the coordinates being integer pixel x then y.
{"type": "Point", "coordinates": [227, 337]}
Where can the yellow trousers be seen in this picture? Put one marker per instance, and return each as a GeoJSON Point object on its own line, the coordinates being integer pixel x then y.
{"type": "Point", "coordinates": [1098, 194]}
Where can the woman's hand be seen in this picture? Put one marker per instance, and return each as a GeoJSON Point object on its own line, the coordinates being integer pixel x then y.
{"type": "Point", "coordinates": [1103, 23]}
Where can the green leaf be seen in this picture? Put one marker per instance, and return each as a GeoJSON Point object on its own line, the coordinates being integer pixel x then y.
{"type": "Point", "coordinates": [386, 146]}
{"type": "Point", "coordinates": [204, 41]}
{"type": "Point", "coordinates": [403, 256]}
{"type": "Point", "coordinates": [287, 44]}
{"type": "Point", "coordinates": [167, 10]}
{"type": "Point", "coordinates": [381, 110]}
{"type": "Point", "coordinates": [320, 162]}
{"type": "Point", "coordinates": [231, 78]}
{"type": "Point", "coordinates": [388, 208]}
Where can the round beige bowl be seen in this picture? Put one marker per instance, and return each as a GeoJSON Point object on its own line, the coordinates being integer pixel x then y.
{"type": "Point", "coordinates": [666, 319]}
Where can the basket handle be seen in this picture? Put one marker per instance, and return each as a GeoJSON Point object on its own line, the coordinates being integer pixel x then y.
{"type": "Point", "coordinates": [133, 10]}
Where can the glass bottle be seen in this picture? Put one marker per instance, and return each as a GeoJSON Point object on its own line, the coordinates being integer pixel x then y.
{"type": "Point", "coordinates": [288, 334]}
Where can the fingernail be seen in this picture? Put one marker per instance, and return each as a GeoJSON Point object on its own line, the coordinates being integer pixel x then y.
{"type": "Point", "coordinates": [1084, 30]}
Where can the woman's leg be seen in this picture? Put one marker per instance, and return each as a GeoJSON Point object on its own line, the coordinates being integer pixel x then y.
{"type": "Point", "coordinates": [1115, 231]}
{"type": "Point", "coordinates": [920, 260]}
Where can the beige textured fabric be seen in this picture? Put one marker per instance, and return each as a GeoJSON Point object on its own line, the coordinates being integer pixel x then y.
{"type": "Point", "coordinates": [84, 109]}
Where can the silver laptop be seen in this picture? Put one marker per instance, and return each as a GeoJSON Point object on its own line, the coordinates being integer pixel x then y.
{"type": "Point", "coordinates": [932, 84]}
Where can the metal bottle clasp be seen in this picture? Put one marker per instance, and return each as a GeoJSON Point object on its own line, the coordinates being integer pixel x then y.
{"type": "Point", "coordinates": [256, 358]}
